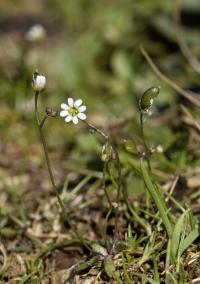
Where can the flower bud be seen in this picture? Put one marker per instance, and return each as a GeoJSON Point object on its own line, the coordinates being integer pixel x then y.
{"type": "Point", "coordinates": [147, 98]}
{"type": "Point", "coordinates": [38, 82]}
{"type": "Point", "coordinates": [51, 112]}
{"type": "Point", "coordinates": [106, 152]}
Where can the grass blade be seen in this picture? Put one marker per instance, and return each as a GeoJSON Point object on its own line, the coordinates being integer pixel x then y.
{"type": "Point", "coordinates": [176, 235]}
{"type": "Point", "coordinates": [193, 235]}
{"type": "Point", "coordinates": [157, 199]}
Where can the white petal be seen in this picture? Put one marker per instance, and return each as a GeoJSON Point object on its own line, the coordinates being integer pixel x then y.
{"type": "Point", "coordinates": [82, 116]}
{"type": "Point", "coordinates": [38, 83]}
{"type": "Point", "coordinates": [75, 119]}
{"type": "Point", "coordinates": [64, 113]}
{"type": "Point", "coordinates": [70, 102]}
{"type": "Point", "coordinates": [82, 108]}
{"type": "Point", "coordinates": [64, 106]}
{"type": "Point", "coordinates": [77, 103]}
{"type": "Point", "coordinates": [68, 118]}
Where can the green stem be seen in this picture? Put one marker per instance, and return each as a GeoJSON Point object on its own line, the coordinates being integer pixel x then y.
{"type": "Point", "coordinates": [147, 151]}
{"type": "Point", "coordinates": [106, 137]}
{"type": "Point", "coordinates": [104, 185]}
{"type": "Point", "coordinates": [95, 129]}
{"type": "Point", "coordinates": [40, 124]}
{"type": "Point", "coordinates": [119, 184]}
{"type": "Point", "coordinates": [44, 144]}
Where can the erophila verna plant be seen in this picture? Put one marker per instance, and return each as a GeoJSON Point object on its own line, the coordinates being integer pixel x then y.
{"type": "Point", "coordinates": [180, 233]}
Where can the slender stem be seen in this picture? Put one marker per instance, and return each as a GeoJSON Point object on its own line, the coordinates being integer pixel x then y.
{"type": "Point", "coordinates": [95, 129]}
{"type": "Point", "coordinates": [105, 225]}
{"type": "Point", "coordinates": [106, 137]}
{"type": "Point", "coordinates": [147, 151]}
{"type": "Point", "coordinates": [142, 131]}
{"type": "Point", "coordinates": [119, 184]}
{"type": "Point", "coordinates": [40, 124]}
{"type": "Point", "coordinates": [44, 144]}
{"type": "Point", "coordinates": [104, 185]}
{"type": "Point", "coordinates": [144, 140]}
{"type": "Point", "coordinates": [43, 121]}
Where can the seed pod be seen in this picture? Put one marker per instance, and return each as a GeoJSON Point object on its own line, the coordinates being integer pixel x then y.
{"type": "Point", "coordinates": [106, 152]}
{"type": "Point", "coordinates": [130, 146]}
{"type": "Point", "coordinates": [148, 97]}
{"type": "Point", "coordinates": [51, 112]}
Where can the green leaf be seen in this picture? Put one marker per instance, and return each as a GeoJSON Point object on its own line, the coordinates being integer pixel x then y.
{"type": "Point", "coordinates": [109, 267]}
{"type": "Point", "coordinates": [81, 268]}
{"type": "Point", "coordinates": [157, 199]}
{"type": "Point", "coordinates": [193, 235]}
{"type": "Point", "coordinates": [176, 235]}
{"type": "Point", "coordinates": [99, 249]}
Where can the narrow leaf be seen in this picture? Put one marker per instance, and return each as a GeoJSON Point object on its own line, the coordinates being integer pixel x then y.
{"type": "Point", "coordinates": [193, 235]}
{"type": "Point", "coordinates": [176, 235]}
{"type": "Point", "coordinates": [109, 267]}
{"type": "Point", "coordinates": [157, 199]}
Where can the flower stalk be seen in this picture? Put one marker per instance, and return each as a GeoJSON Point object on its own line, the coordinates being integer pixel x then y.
{"type": "Point", "coordinates": [147, 150]}
{"type": "Point", "coordinates": [40, 125]}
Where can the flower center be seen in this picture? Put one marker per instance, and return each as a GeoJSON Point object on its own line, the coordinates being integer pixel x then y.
{"type": "Point", "coordinates": [73, 111]}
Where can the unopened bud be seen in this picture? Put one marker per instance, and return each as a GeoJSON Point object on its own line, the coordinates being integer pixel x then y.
{"type": "Point", "coordinates": [38, 82]}
{"type": "Point", "coordinates": [106, 152]}
{"type": "Point", "coordinates": [147, 98]}
{"type": "Point", "coordinates": [51, 112]}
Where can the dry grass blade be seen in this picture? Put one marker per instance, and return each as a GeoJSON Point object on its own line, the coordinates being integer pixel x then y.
{"type": "Point", "coordinates": [3, 251]}
{"type": "Point", "coordinates": [192, 60]}
{"type": "Point", "coordinates": [185, 94]}
{"type": "Point", "coordinates": [190, 119]}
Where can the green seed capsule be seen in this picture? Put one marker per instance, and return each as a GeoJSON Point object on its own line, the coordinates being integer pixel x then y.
{"type": "Point", "coordinates": [147, 98]}
{"type": "Point", "coordinates": [130, 146]}
{"type": "Point", "coordinates": [106, 152]}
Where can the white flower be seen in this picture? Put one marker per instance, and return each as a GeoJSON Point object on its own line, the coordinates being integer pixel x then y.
{"type": "Point", "coordinates": [73, 111]}
{"type": "Point", "coordinates": [38, 82]}
{"type": "Point", "coordinates": [35, 33]}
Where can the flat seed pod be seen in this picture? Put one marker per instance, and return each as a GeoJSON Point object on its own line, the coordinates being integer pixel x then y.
{"type": "Point", "coordinates": [147, 98]}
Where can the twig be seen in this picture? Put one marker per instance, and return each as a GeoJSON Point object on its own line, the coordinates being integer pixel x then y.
{"type": "Point", "coordinates": [187, 95]}
{"type": "Point", "coordinates": [191, 118]}
{"type": "Point", "coordinates": [190, 57]}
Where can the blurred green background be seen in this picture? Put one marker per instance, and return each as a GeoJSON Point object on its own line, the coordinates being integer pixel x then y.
{"type": "Point", "coordinates": [91, 51]}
